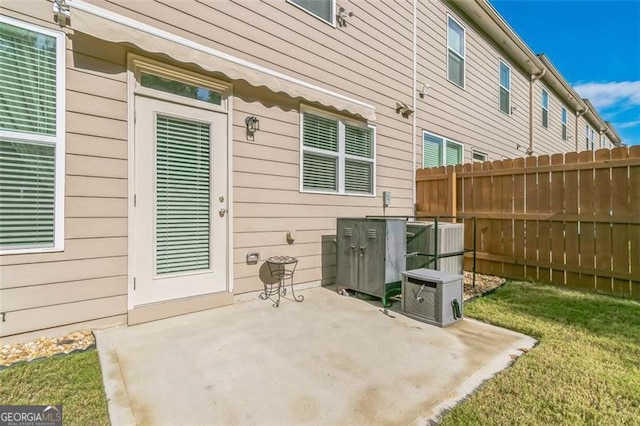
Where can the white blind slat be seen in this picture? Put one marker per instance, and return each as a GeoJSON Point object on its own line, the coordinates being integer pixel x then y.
{"type": "Point", "coordinates": [358, 141]}
{"type": "Point", "coordinates": [26, 194]}
{"type": "Point", "coordinates": [358, 177]}
{"type": "Point", "coordinates": [182, 195]}
{"type": "Point", "coordinates": [28, 73]}
{"type": "Point", "coordinates": [320, 172]}
{"type": "Point", "coordinates": [320, 132]}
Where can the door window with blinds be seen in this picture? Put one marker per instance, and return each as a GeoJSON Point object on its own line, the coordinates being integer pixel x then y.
{"type": "Point", "coordinates": [337, 156]}
{"type": "Point", "coordinates": [31, 137]}
{"type": "Point", "coordinates": [182, 195]}
{"type": "Point", "coordinates": [440, 151]}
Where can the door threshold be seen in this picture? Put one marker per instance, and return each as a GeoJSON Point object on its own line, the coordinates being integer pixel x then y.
{"type": "Point", "coordinates": [172, 308]}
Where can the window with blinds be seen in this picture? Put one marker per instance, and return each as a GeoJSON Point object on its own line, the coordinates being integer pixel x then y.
{"type": "Point", "coordinates": [337, 157]}
{"type": "Point", "coordinates": [456, 55]}
{"type": "Point", "coordinates": [183, 185]}
{"type": "Point", "coordinates": [439, 151]}
{"type": "Point", "coordinates": [505, 88]}
{"type": "Point", "coordinates": [31, 149]}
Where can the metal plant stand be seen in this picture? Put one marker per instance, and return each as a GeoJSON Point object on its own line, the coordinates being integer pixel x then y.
{"type": "Point", "coordinates": [281, 269]}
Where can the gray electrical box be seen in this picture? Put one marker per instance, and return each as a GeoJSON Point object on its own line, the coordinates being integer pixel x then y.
{"type": "Point", "coordinates": [371, 254]}
{"type": "Point", "coordinates": [434, 297]}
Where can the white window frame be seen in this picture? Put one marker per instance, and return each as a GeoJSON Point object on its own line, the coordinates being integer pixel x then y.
{"type": "Point", "coordinates": [500, 86]}
{"type": "Point", "coordinates": [564, 124]}
{"type": "Point", "coordinates": [463, 56]}
{"type": "Point", "coordinates": [341, 155]}
{"type": "Point", "coordinates": [333, 12]}
{"type": "Point", "coordinates": [544, 90]}
{"type": "Point", "coordinates": [58, 140]}
{"type": "Point", "coordinates": [443, 149]}
{"type": "Point", "coordinates": [477, 152]}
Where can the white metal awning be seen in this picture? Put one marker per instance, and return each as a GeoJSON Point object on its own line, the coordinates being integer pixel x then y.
{"type": "Point", "coordinates": [106, 25]}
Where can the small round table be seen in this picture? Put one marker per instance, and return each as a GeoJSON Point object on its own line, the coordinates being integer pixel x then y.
{"type": "Point", "coordinates": [281, 269]}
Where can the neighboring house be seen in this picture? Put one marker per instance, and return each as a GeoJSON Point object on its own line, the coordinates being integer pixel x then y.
{"type": "Point", "coordinates": [148, 147]}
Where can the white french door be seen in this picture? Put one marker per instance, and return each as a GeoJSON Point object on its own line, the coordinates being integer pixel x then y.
{"type": "Point", "coordinates": [180, 184]}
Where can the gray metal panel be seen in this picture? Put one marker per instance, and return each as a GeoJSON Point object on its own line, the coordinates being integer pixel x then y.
{"type": "Point", "coordinates": [371, 253]}
{"type": "Point", "coordinates": [347, 262]}
{"type": "Point", "coordinates": [422, 240]}
{"type": "Point", "coordinates": [372, 265]}
{"type": "Point", "coordinates": [396, 249]}
{"type": "Point", "coordinates": [419, 240]}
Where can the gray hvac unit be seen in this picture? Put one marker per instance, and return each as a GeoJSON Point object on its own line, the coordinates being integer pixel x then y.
{"type": "Point", "coordinates": [371, 254]}
{"type": "Point", "coordinates": [434, 297]}
{"type": "Point", "coordinates": [421, 240]}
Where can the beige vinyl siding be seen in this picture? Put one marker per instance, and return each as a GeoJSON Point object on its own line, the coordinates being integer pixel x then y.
{"type": "Point", "coordinates": [86, 283]}
{"type": "Point", "coordinates": [267, 201]}
{"type": "Point", "coordinates": [472, 115]}
{"type": "Point", "coordinates": [549, 140]}
{"type": "Point", "coordinates": [582, 121]}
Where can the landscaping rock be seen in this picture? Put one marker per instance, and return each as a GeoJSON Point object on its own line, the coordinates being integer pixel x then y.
{"type": "Point", "coordinates": [484, 284]}
{"type": "Point", "coordinates": [45, 347]}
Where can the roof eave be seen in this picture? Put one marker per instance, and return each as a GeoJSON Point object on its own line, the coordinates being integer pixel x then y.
{"type": "Point", "coordinates": [483, 14]}
{"type": "Point", "coordinates": [554, 79]}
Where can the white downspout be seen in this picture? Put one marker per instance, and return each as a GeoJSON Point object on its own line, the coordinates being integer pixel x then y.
{"type": "Point", "coordinates": [534, 78]}
{"type": "Point", "coordinates": [414, 123]}
{"type": "Point", "coordinates": [578, 115]}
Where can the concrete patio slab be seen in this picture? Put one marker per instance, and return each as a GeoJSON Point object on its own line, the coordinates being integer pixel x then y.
{"type": "Point", "coordinates": [329, 360]}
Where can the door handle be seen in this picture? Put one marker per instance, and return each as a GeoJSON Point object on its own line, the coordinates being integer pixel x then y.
{"type": "Point", "coordinates": [222, 212]}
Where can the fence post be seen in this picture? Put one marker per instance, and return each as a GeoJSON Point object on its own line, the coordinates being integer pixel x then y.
{"type": "Point", "coordinates": [452, 193]}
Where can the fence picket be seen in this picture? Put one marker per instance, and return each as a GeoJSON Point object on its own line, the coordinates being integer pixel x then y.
{"type": "Point", "coordinates": [620, 231]}
{"type": "Point", "coordinates": [602, 208]}
{"type": "Point", "coordinates": [544, 227]}
{"type": "Point", "coordinates": [557, 230]}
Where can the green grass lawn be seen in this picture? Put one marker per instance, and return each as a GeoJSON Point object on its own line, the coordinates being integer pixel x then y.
{"type": "Point", "coordinates": [74, 381]}
{"type": "Point", "coordinates": [585, 370]}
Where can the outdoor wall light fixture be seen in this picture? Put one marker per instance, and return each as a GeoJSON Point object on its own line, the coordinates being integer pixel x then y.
{"type": "Point", "coordinates": [61, 12]}
{"type": "Point", "coordinates": [526, 150]}
{"type": "Point", "coordinates": [253, 124]}
{"type": "Point", "coordinates": [403, 109]}
{"type": "Point", "coordinates": [423, 90]}
{"type": "Point", "coordinates": [342, 15]}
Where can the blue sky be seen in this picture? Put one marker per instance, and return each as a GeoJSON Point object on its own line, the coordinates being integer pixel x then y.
{"type": "Point", "coordinates": [594, 44]}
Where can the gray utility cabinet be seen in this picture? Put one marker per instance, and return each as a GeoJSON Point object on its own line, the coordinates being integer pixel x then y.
{"type": "Point", "coordinates": [421, 238]}
{"type": "Point", "coordinates": [371, 254]}
{"type": "Point", "coordinates": [434, 297]}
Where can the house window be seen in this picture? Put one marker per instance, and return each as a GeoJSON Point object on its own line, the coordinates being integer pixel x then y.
{"type": "Point", "coordinates": [545, 109]}
{"type": "Point", "coordinates": [564, 124]}
{"type": "Point", "coordinates": [478, 155]}
{"type": "Point", "coordinates": [440, 151]}
{"type": "Point", "coordinates": [590, 138]}
{"type": "Point", "coordinates": [505, 88]}
{"type": "Point", "coordinates": [455, 52]}
{"type": "Point", "coordinates": [338, 156]}
{"type": "Point", "coordinates": [31, 137]}
{"type": "Point", "coordinates": [323, 9]}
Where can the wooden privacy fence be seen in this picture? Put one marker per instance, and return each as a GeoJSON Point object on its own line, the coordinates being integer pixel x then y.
{"type": "Point", "coordinates": [570, 219]}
